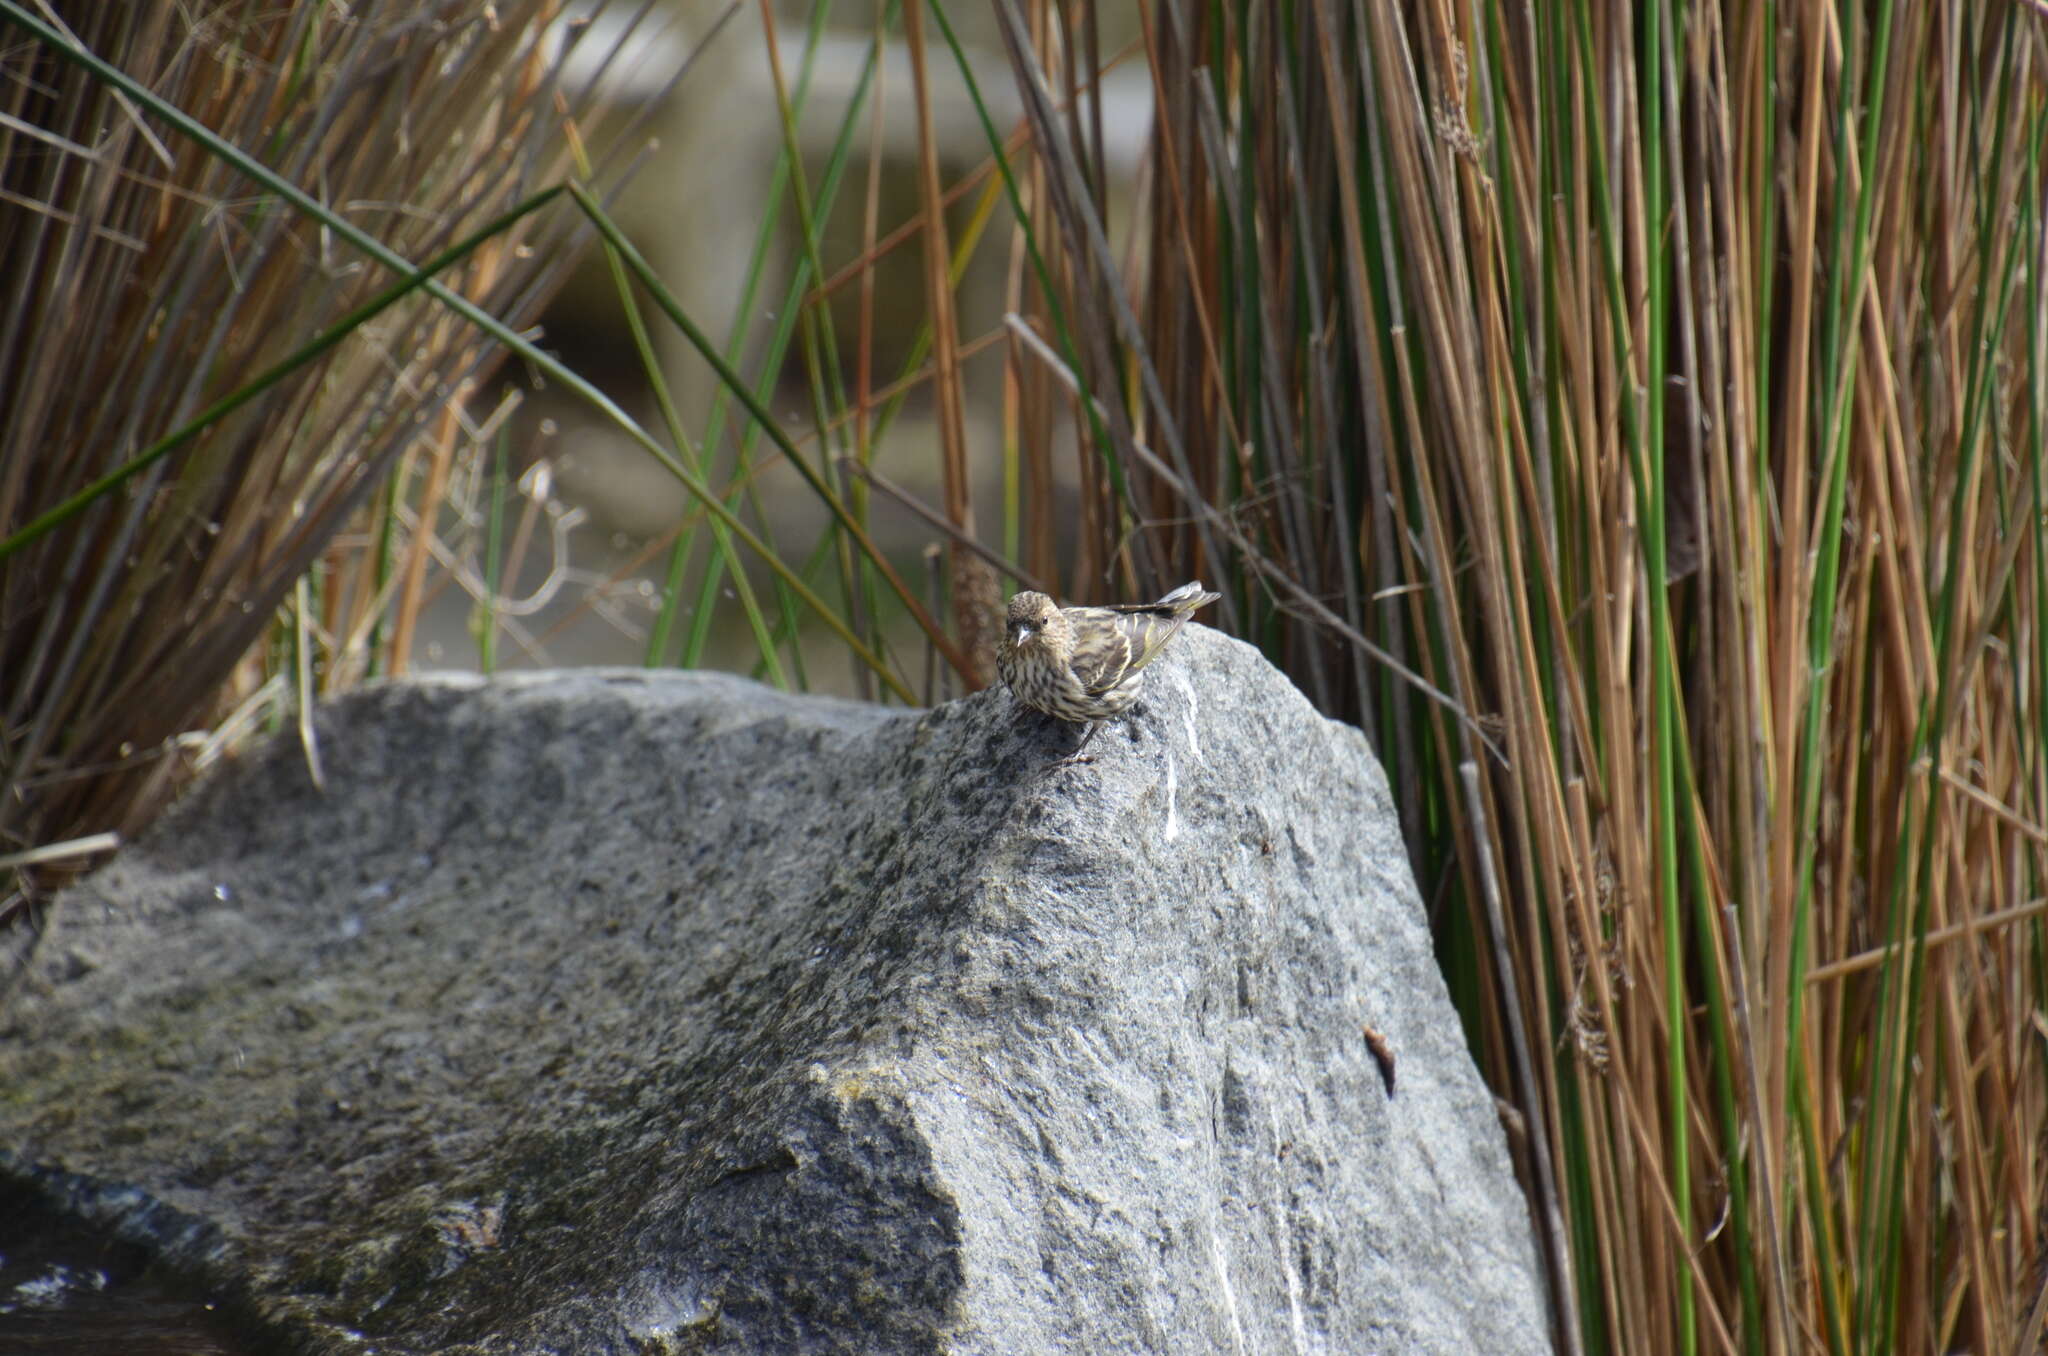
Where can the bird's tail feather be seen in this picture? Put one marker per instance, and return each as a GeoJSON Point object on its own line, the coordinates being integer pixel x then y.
{"type": "Point", "coordinates": [1183, 600]}
{"type": "Point", "coordinates": [1152, 626]}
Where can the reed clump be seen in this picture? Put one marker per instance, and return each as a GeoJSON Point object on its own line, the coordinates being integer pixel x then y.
{"type": "Point", "coordinates": [216, 353]}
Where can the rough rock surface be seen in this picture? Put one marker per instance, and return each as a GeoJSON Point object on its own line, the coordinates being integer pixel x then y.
{"type": "Point", "coordinates": [625, 1012]}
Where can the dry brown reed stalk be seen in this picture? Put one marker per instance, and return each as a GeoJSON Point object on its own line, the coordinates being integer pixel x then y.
{"type": "Point", "coordinates": [970, 585]}
{"type": "Point", "coordinates": [147, 278]}
{"type": "Point", "coordinates": [1665, 386]}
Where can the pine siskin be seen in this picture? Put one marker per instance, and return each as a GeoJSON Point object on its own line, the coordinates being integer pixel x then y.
{"type": "Point", "coordinates": [1087, 664]}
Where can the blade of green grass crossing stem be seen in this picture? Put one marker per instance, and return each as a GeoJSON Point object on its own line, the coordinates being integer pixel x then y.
{"type": "Point", "coordinates": [921, 342]}
{"type": "Point", "coordinates": [248, 165]}
{"type": "Point", "coordinates": [1062, 331]}
{"type": "Point", "coordinates": [643, 346]}
{"type": "Point", "coordinates": [811, 265]}
{"type": "Point", "coordinates": [679, 556]}
{"type": "Point", "coordinates": [821, 552]}
{"type": "Point", "coordinates": [462, 306]}
{"type": "Point", "coordinates": [414, 280]}
{"type": "Point", "coordinates": [732, 379]}
{"type": "Point", "coordinates": [787, 318]}
{"type": "Point", "coordinates": [819, 342]}
{"type": "Point", "coordinates": [793, 308]}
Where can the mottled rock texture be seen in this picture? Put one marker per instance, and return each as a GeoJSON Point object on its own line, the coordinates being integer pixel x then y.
{"type": "Point", "coordinates": [621, 1012]}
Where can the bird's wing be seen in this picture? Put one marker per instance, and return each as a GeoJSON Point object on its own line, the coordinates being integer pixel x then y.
{"type": "Point", "coordinates": [1102, 648]}
{"type": "Point", "coordinates": [1149, 634]}
{"type": "Point", "coordinates": [1110, 644]}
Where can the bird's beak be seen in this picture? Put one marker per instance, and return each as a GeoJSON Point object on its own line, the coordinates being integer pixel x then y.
{"type": "Point", "coordinates": [1020, 633]}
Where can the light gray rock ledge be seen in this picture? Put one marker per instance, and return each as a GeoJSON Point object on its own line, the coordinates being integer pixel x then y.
{"type": "Point", "coordinates": [608, 1011]}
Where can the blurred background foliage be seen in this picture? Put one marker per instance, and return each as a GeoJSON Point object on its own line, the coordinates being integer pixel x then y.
{"type": "Point", "coordinates": [1631, 415]}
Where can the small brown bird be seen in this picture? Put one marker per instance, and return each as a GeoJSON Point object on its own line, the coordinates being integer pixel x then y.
{"type": "Point", "coordinates": [1087, 664]}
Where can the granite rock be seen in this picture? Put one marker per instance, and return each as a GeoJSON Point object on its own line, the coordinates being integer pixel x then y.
{"type": "Point", "coordinates": [607, 1011]}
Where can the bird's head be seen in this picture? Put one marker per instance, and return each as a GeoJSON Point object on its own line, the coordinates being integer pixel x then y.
{"type": "Point", "coordinates": [1034, 620]}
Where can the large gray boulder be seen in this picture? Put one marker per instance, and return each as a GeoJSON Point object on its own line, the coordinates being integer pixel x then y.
{"type": "Point", "coordinates": [626, 1011]}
